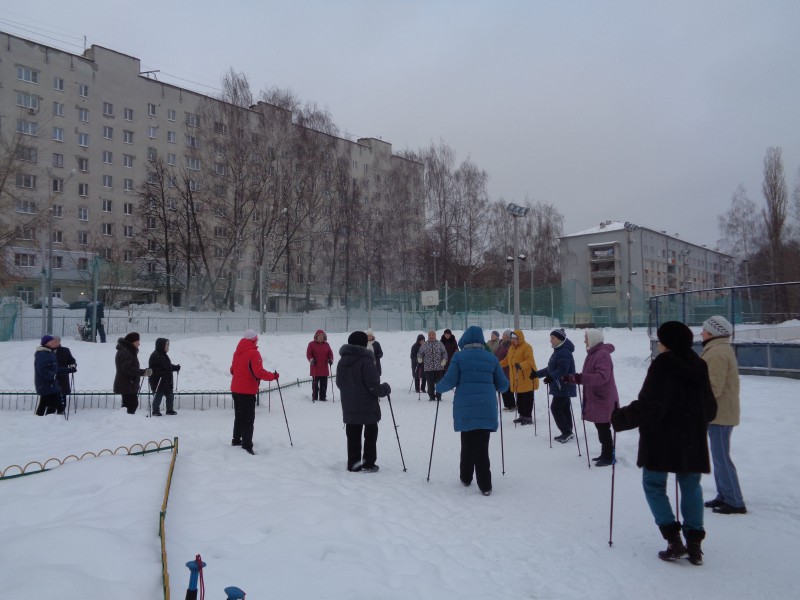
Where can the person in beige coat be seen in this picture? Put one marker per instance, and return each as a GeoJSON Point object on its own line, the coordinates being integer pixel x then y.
{"type": "Point", "coordinates": [724, 374]}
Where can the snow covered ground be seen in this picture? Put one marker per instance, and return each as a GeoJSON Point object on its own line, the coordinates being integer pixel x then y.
{"type": "Point", "coordinates": [292, 523]}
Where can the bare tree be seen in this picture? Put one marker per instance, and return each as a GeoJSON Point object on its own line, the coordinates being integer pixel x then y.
{"type": "Point", "coordinates": [774, 213]}
{"type": "Point", "coordinates": [741, 226]}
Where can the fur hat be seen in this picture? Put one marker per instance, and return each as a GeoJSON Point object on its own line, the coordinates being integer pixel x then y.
{"type": "Point", "coordinates": [676, 336]}
{"type": "Point", "coordinates": [358, 338]}
{"type": "Point", "coordinates": [718, 326]}
{"type": "Point", "coordinates": [132, 337]}
{"type": "Point", "coordinates": [594, 336]}
{"type": "Point", "coordinates": [250, 334]}
{"type": "Point", "coordinates": [507, 333]}
{"type": "Point", "coordinates": [559, 333]}
{"type": "Point", "coordinates": [46, 339]}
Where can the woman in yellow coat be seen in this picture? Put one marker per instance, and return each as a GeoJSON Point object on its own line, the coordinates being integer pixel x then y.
{"type": "Point", "coordinates": [520, 363]}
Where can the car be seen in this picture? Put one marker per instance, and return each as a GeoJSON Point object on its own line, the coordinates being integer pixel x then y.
{"type": "Point", "coordinates": [79, 304]}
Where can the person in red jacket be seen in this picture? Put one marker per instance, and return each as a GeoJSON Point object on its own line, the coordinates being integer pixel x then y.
{"type": "Point", "coordinates": [320, 359]}
{"type": "Point", "coordinates": [247, 370]}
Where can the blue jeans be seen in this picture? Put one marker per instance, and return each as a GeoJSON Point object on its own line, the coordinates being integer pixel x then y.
{"type": "Point", "coordinates": [157, 401]}
{"type": "Point", "coordinates": [725, 475]}
{"type": "Point", "coordinates": [655, 491]}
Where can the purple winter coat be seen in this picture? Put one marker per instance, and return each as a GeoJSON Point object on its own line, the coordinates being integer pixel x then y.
{"type": "Point", "coordinates": [600, 396]}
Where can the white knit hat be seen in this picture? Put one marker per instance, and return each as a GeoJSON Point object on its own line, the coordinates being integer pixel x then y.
{"type": "Point", "coordinates": [718, 326]}
{"type": "Point", "coordinates": [250, 335]}
{"type": "Point", "coordinates": [594, 336]}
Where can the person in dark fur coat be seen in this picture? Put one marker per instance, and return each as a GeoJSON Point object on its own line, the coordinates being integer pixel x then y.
{"type": "Point", "coordinates": [417, 372]}
{"type": "Point", "coordinates": [65, 360]}
{"type": "Point", "coordinates": [126, 380]}
{"type": "Point", "coordinates": [450, 344]}
{"type": "Point", "coordinates": [673, 410]}
{"type": "Point", "coordinates": [360, 384]}
{"type": "Point", "coordinates": [161, 380]}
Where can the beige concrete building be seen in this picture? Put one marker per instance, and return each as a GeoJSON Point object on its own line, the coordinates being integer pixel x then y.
{"type": "Point", "coordinates": [88, 129]}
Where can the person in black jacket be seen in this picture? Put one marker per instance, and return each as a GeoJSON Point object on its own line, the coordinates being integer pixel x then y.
{"type": "Point", "coordinates": [359, 382]}
{"type": "Point", "coordinates": [417, 372]}
{"type": "Point", "coordinates": [66, 361]}
{"type": "Point", "coordinates": [126, 380]}
{"type": "Point", "coordinates": [46, 371]}
{"type": "Point", "coordinates": [450, 344]}
{"type": "Point", "coordinates": [160, 380]}
{"type": "Point", "coordinates": [672, 412]}
{"type": "Point", "coordinates": [374, 346]}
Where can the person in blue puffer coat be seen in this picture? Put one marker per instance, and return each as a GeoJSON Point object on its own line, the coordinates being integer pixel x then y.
{"type": "Point", "coordinates": [477, 377]}
{"type": "Point", "coordinates": [46, 371]}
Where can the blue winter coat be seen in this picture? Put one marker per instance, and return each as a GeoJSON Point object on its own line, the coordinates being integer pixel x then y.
{"type": "Point", "coordinates": [477, 377]}
{"type": "Point", "coordinates": [561, 363]}
{"type": "Point", "coordinates": [46, 368]}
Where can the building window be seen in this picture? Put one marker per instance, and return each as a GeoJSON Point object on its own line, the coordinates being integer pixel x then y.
{"type": "Point", "coordinates": [151, 109]}
{"type": "Point", "coordinates": [151, 222]}
{"type": "Point", "coordinates": [26, 181]}
{"type": "Point", "coordinates": [171, 114]}
{"type": "Point", "coordinates": [192, 120]}
{"type": "Point", "coordinates": [108, 157]}
{"type": "Point", "coordinates": [108, 109]}
{"type": "Point", "coordinates": [192, 163]}
{"type": "Point", "coordinates": [127, 208]}
{"type": "Point", "coordinates": [83, 115]}
{"type": "Point", "coordinates": [27, 207]}
{"type": "Point", "coordinates": [194, 185]}
{"type": "Point", "coordinates": [58, 84]}
{"type": "Point", "coordinates": [24, 260]}
{"type": "Point", "coordinates": [30, 154]}
{"type": "Point", "coordinates": [27, 101]}
{"type": "Point", "coordinates": [127, 161]}
{"type": "Point", "coordinates": [107, 181]}
{"type": "Point", "coordinates": [108, 132]}
{"type": "Point", "coordinates": [221, 169]}
{"type": "Point", "coordinates": [220, 232]}
{"type": "Point", "coordinates": [171, 137]}
{"type": "Point", "coordinates": [152, 132]}
{"type": "Point", "coordinates": [83, 213]}
{"type": "Point", "coordinates": [57, 210]}
{"type": "Point", "coordinates": [108, 229]}
{"type": "Point", "coordinates": [220, 128]}
{"type": "Point", "coordinates": [25, 233]}
{"type": "Point", "coordinates": [57, 185]}
{"type": "Point", "coordinates": [58, 134]}
{"type": "Point", "coordinates": [83, 165]}
{"type": "Point", "coordinates": [106, 205]}
{"type": "Point", "coordinates": [58, 237]}
{"type": "Point", "coordinates": [58, 109]}
{"type": "Point", "coordinates": [27, 127]}
{"type": "Point", "coordinates": [152, 246]}
{"type": "Point", "coordinates": [83, 90]}
{"type": "Point", "coordinates": [83, 140]}
{"type": "Point", "coordinates": [128, 114]}
{"type": "Point", "coordinates": [151, 154]}
{"type": "Point", "coordinates": [127, 137]}
{"type": "Point", "coordinates": [171, 159]}
{"type": "Point", "coordinates": [27, 74]}
{"type": "Point", "coordinates": [83, 189]}
{"type": "Point", "coordinates": [127, 256]}
{"type": "Point", "coordinates": [57, 262]}
{"type": "Point", "coordinates": [191, 141]}
{"type": "Point", "coordinates": [127, 185]}
{"type": "Point", "coordinates": [127, 231]}
{"type": "Point", "coordinates": [83, 264]}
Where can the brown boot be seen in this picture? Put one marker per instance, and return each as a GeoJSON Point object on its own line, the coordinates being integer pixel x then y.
{"type": "Point", "coordinates": [675, 548]}
{"type": "Point", "coordinates": [694, 538]}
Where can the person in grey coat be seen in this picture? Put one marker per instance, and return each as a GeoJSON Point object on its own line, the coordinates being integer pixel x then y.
{"type": "Point", "coordinates": [360, 385]}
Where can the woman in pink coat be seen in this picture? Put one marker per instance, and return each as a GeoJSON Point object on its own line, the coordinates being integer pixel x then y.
{"type": "Point", "coordinates": [600, 396]}
{"type": "Point", "coordinates": [320, 358]}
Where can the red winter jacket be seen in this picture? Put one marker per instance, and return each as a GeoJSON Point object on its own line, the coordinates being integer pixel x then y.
{"type": "Point", "coordinates": [247, 368]}
{"type": "Point", "coordinates": [321, 353]}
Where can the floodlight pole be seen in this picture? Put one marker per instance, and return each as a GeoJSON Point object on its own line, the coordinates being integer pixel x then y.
{"type": "Point", "coordinates": [516, 211]}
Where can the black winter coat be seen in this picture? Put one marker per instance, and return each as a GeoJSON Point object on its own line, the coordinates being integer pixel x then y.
{"type": "Point", "coordinates": [360, 385]}
{"type": "Point", "coordinates": [126, 381]}
{"type": "Point", "coordinates": [451, 345]}
{"type": "Point", "coordinates": [162, 368]}
{"type": "Point", "coordinates": [65, 359]}
{"type": "Point", "coordinates": [674, 408]}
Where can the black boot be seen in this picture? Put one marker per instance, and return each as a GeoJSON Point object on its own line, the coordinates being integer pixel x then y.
{"type": "Point", "coordinates": [675, 548]}
{"type": "Point", "coordinates": [694, 537]}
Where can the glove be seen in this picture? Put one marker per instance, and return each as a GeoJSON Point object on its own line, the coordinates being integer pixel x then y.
{"type": "Point", "coordinates": [419, 359]}
{"type": "Point", "coordinates": [444, 362]}
{"type": "Point", "coordinates": [73, 369]}
{"type": "Point", "coordinates": [176, 368]}
{"type": "Point", "coordinates": [276, 374]}
{"type": "Point", "coordinates": [148, 372]}
{"type": "Point", "coordinates": [575, 378]}
{"type": "Point", "coordinates": [386, 389]}
{"type": "Point", "coordinates": [518, 366]}
{"type": "Point", "coordinates": [547, 379]}
{"type": "Point", "coordinates": [313, 361]}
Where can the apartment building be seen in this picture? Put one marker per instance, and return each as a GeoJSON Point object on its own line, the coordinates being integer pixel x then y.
{"type": "Point", "coordinates": [86, 131]}
{"type": "Point", "coordinates": [609, 272]}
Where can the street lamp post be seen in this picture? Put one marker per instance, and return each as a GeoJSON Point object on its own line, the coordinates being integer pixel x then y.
{"type": "Point", "coordinates": [629, 228]}
{"type": "Point", "coordinates": [516, 211]}
{"type": "Point", "coordinates": [435, 255]}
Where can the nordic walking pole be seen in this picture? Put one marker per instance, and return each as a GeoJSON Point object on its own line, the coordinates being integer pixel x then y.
{"type": "Point", "coordinates": [677, 501]}
{"type": "Point", "coordinates": [574, 426]}
{"type": "Point", "coordinates": [502, 445]}
{"type": "Point", "coordinates": [435, 420]}
{"type": "Point", "coordinates": [613, 472]}
{"type": "Point", "coordinates": [388, 397]}
{"type": "Point", "coordinates": [280, 394]}
{"type": "Point", "coordinates": [333, 385]}
{"type": "Point", "coordinates": [549, 430]}
{"type": "Point", "coordinates": [585, 439]}
{"type": "Point", "coordinates": [533, 392]}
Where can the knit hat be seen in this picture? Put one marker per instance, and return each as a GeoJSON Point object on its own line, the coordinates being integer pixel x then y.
{"type": "Point", "coordinates": [420, 337]}
{"type": "Point", "coordinates": [559, 333]}
{"type": "Point", "coordinates": [369, 332]}
{"type": "Point", "coordinates": [358, 338]}
{"type": "Point", "coordinates": [594, 336]}
{"type": "Point", "coordinates": [507, 333]}
{"type": "Point", "coordinates": [676, 336]}
{"type": "Point", "coordinates": [250, 334]}
{"type": "Point", "coordinates": [132, 337]}
{"type": "Point", "coordinates": [718, 326]}
{"type": "Point", "coordinates": [45, 339]}
{"type": "Point", "coordinates": [496, 333]}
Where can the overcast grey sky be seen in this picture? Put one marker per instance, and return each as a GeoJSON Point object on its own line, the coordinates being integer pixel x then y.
{"type": "Point", "coordinates": [646, 111]}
